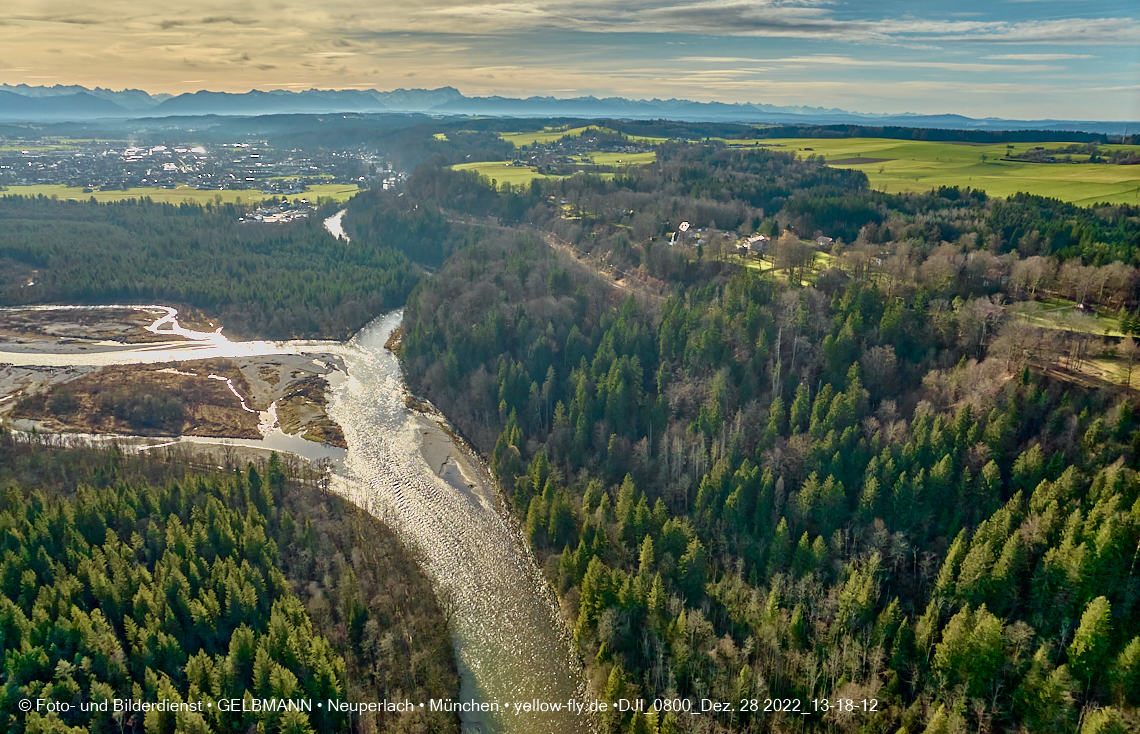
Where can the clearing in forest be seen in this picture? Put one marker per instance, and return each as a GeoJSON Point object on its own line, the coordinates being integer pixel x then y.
{"type": "Point", "coordinates": [503, 172]}
{"type": "Point", "coordinates": [553, 134]}
{"type": "Point", "coordinates": [916, 165]}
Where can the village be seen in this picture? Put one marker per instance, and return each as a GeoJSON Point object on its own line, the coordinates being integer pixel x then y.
{"type": "Point", "coordinates": [96, 165]}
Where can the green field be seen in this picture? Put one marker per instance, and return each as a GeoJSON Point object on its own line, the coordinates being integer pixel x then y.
{"type": "Point", "coordinates": [503, 172]}
{"type": "Point", "coordinates": [9, 145]}
{"type": "Point", "coordinates": [647, 139]}
{"type": "Point", "coordinates": [622, 159]}
{"type": "Point", "coordinates": [552, 134]}
{"type": "Point", "coordinates": [6, 148]}
{"type": "Point", "coordinates": [1062, 314]}
{"type": "Point", "coordinates": [340, 192]}
{"type": "Point", "coordinates": [547, 135]}
{"type": "Point", "coordinates": [915, 166]}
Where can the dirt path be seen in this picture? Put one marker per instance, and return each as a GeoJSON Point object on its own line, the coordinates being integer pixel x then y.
{"type": "Point", "coordinates": [618, 279]}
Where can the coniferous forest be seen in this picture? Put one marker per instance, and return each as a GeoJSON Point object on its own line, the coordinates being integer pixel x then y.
{"type": "Point", "coordinates": [136, 578]}
{"type": "Point", "coordinates": [263, 281]}
{"type": "Point", "coordinates": [883, 476]}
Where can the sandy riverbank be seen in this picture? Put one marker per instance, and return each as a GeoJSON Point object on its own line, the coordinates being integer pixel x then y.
{"type": "Point", "coordinates": [298, 386]}
{"type": "Point", "coordinates": [229, 397]}
{"type": "Point", "coordinates": [41, 328]}
{"type": "Point", "coordinates": [17, 382]}
{"type": "Point", "coordinates": [447, 458]}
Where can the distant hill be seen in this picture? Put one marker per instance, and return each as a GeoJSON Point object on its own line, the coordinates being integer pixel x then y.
{"type": "Point", "coordinates": [131, 99]}
{"type": "Point", "coordinates": [16, 107]}
{"type": "Point", "coordinates": [22, 103]}
{"type": "Point", "coordinates": [310, 101]}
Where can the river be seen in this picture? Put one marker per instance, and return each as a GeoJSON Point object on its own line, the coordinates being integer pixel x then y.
{"type": "Point", "coordinates": [335, 225]}
{"type": "Point", "coordinates": [511, 646]}
{"type": "Point", "coordinates": [507, 635]}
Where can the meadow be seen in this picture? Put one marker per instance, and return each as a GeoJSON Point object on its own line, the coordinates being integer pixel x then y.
{"type": "Point", "coordinates": [339, 192]}
{"type": "Point", "coordinates": [622, 159]}
{"type": "Point", "coordinates": [546, 135]}
{"type": "Point", "coordinates": [914, 166]}
{"type": "Point", "coordinates": [503, 172]}
{"type": "Point", "coordinates": [9, 145]}
{"type": "Point", "coordinates": [552, 134]}
{"type": "Point", "coordinates": [1061, 313]}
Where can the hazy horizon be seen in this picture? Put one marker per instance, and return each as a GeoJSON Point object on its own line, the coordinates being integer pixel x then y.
{"type": "Point", "coordinates": [1017, 59]}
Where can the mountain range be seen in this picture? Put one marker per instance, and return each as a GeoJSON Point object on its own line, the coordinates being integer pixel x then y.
{"type": "Point", "coordinates": [23, 103]}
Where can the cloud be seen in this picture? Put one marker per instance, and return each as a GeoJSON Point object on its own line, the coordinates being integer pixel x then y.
{"type": "Point", "coordinates": [601, 47]}
{"type": "Point", "coordinates": [804, 19]}
{"type": "Point", "coordinates": [1038, 57]}
{"type": "Point", "coordinates": [889, 63]}
{"type": "Point", "coordinates": [226, 19]}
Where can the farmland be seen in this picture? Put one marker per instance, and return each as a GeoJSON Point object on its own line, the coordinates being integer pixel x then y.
{"type": "Point", "coordinates": [914, 166]}
{"type": "Point", "coordinates": [622, 159]}
{"type": "Point", "coordinates": [548, 135]}
{"type": "Point", "coordinates": [553, 134]}
{"type": "Point", "coordinates": [9, 145]}
{"type": "Point", "coordinates": [503, 172]}
{"type": "Point", "coordinates": [340, 192]}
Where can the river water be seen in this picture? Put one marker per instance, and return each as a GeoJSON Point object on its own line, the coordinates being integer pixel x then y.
{"type": "Point", "coordinates": [511, 646]}
{"type": "Point", "coordinates": [506, 631]}
{"type": "Point", "coordinates": [335, 225]}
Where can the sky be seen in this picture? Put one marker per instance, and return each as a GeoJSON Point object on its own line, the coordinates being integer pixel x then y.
{"type": "Point", "coordinates": [1015, 59]}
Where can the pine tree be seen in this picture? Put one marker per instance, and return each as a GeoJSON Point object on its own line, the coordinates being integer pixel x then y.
{"type": "Point", "coordinates": [1090, 643]}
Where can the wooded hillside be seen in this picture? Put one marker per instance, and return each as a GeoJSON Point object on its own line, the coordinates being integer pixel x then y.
{"type": "Point", "coordinates": [129, 577]}
{"type": "Point", "coordinates": [873, 487]}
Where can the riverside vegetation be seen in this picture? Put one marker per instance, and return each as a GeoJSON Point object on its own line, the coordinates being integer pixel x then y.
{"type": "Point", "coordinates": [133, 577]}
{"type": "Point", "coordinates": [874, 480]}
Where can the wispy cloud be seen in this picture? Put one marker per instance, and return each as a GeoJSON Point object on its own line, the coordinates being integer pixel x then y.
{"type": "Point", "coordinates": [763, 18]}
{"type": "Point", "coordinates": [1037, 57]}
{"type": "Point", "coordinates": [602, 47]}
{"type": "Point", "coordinates": [889, 63]}
{"type": "Point", "coordinates": [802, 19]}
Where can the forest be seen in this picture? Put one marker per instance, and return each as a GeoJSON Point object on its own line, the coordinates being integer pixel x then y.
{"type": "Point", "coordinates": [877, 478]}
{"type": "Point", "coordinates": [892, 455]}
{"type": "Point", "coordinates": [148, 577]}
{"type": "Point", "coordinates": [264, 281]}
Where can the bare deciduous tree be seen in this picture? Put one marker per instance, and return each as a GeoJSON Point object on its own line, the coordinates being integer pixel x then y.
{"type": "Point", "coordinates": [1076, 280]}
{"type": "Point", "coordinates": [793, 256]}
{"type": "Point", "coordinates": [1127, 351]}
{"type": "Point", "coordinates": [1114, 280]}
{"type": "Point", "coordinates": [943, 267]}
{"type": "Point", "coordinates": [1015, 343]}
{"type": "Point", "coordinates": [1030, 274]}
{"type": "Point", "coordinates": [880, 369]}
